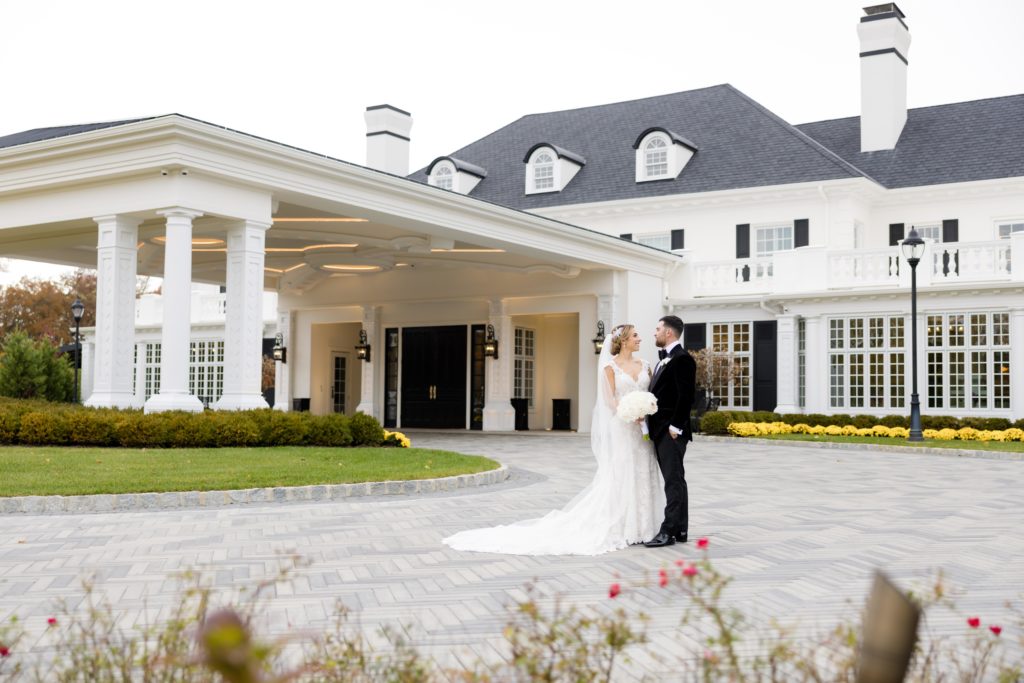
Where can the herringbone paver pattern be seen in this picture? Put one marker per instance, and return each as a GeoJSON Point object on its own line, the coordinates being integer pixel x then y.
{"type": "Point", "coordinates": [800, 529]}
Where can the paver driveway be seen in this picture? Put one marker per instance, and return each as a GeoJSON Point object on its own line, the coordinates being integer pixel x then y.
{"type": "Point", "coordinates": [801, 530]}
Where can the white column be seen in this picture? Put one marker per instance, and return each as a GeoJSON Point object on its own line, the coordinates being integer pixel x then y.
{"type": "Point", "coordinates": [282, 374]}
{"type": "Point", "coordinates": [817, 365]}
{"type": "Point", "coordinates": [367, 389]}
{"type": "Point", "coordinates": [177, 318]}
{"type": "Point", "coordinates": [88, 362]}
{"type": "Point", "coordinates": [1017, 363]}
{"type": "Point", "coordinates": [116, 268]}
{"type": "Point", "coordinates": [243, 338]}
{"type": "Point", "coordinates": [498, 413]}
{"type": "Point", "coordinates": [140, 375]}
{"type": "Point", "coordinates": [787, 383]}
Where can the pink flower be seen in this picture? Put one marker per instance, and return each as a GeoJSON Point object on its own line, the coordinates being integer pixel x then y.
{"type": "Point", "coordinates": [690, 570]}
{"type": "Point", "coordinates": [679, 563]}
{"type": "Point", "coordinates": [614, 590]}
{"type": "Point", "coordinates": [5, 651]}
{"type": "Point", "coordinates": [52, 621]}
{"type": "Point", "coordinates": [974, 622]}
{"type": "Point", "coordinates": [663, 579]}
{"type": "Point", "coordinates": [702, 543]}
{"type": "Point", "coordinates": [996, 629]}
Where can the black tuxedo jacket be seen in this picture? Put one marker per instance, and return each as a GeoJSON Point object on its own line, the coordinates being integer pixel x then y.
{"type": "Point", "coordinates": [674, 386]}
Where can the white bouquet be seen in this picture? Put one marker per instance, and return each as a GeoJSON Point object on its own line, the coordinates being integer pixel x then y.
{"type": "Point", "coordinates": [635, 406]}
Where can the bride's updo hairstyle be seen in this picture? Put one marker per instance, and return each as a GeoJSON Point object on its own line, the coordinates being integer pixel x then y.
{"type": "Point", "coordinates": [620, 334]}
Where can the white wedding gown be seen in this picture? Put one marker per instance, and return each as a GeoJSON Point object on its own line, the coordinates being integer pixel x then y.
{"type": "Point", "coordinates": [624, 503]}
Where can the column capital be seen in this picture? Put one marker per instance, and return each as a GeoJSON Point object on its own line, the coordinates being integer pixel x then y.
{"type": "Point", "coordinates": [179, 212]}
{"type": "Point", "coordinates": [245, 223]}
{"type": "Point", "coordinates": [128, 221]}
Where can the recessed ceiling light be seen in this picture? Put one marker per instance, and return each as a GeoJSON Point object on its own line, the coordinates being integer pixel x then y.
{"type": "Point", "coordinates": [352, 268]}
{"type": "Point", "coordinates": [196, 241]}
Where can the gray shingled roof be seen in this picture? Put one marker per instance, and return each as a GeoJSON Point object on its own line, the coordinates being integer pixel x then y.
{"type": "Point", "coordinates": [740, 143]}
{"type": "Point", "coordinates": [948, 143]}
{"type": "Point", "coordinates": [38, 134]}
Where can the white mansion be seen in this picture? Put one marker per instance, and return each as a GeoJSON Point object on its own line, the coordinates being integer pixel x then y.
{"type": "Point", "coordinates": [775, 242]}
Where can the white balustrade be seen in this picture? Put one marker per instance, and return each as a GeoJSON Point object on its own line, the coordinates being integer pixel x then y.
{"type": "Point", "coordinates": [739, 276]}
{"type": "Point", "coordinates": [971, 261]}
{"type": "Point", "coordinates": [864, 268]}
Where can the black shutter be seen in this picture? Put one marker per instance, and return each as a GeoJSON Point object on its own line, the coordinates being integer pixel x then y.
{"type": "Point", "coordinates": [951, 230]}
{"type": "Point", "coordinates": [743, 241]}
{"type": "Point", "coordinates": [801, 232]}
{"type": "Point", "coordinates": [677, 239]}
{"type": "Point", "coordinates": [766, 376]}
{"type": "Point", "coordinates": [628, 236]}
{"type": "Point", "coordinates": [895, 234]}
{"type": "Point", "coordinates": [695, 336]}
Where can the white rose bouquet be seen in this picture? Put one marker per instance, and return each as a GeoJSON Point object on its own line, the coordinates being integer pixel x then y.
{"type": "Point", "coordinates": [635, 406]}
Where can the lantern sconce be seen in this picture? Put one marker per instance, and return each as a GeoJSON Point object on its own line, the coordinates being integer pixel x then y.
{"type": "Point", "coordinates": [279, 352]}
{"type": "Point", "coordinates": [599, 339]}
{"type": "Point", "coordinates": [490, 343]}
{"type": "Point", "coordinates": [363, 348]}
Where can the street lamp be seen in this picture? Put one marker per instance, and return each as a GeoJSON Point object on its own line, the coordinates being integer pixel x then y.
{"type": "Point", "coordinates": [77, 310]}
{"type": "Point", "coordinates": [913, 249]}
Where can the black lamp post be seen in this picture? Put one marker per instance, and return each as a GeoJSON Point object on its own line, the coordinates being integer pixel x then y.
{"type": "Point", "coordinates": [913, 249]}
{"type": "Point", "coordinates": [77, 310]}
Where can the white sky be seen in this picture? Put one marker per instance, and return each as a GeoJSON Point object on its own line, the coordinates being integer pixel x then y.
{"type": "Point", "coordinates": [302, 72]}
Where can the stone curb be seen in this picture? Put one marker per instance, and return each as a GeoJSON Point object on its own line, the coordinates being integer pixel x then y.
{"type": "Point", "coordinates": [123, 502]}
{"type": "Point", "coordinates": [903, 450]}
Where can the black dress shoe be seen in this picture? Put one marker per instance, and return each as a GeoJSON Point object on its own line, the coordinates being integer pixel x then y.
{"type": "Point", "coordinates": [680, 538]}
{"type": "Point", "coordinates": [661, 540]}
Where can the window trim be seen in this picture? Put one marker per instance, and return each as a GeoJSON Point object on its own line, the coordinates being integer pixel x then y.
{"type": "Point", "coordinates": [534, 164]}
{"type": "Point", "coordinates": [449, 172]}
{"type": "Point", "coordinates": [1010, 222]}
{"type": "Point", "coordinates": [759, 228]}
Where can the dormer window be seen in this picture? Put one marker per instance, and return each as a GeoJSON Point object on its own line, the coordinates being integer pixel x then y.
{"type": "Point", "coordinates": [550, 168]}
{"type": "Point", "coordinates": [656, 158]}
{"type": "Point", "coordinates": [543, 172]}
{"type": "Point", "coordinates": [661, 154]}
{"type": "Point", "coordinates": [449, 173]}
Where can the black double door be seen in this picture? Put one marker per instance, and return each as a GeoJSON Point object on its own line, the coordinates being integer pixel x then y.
{"type": "Point", "coordinates": [434, 377]}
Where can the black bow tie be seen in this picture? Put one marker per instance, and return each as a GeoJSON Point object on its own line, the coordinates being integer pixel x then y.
{"type": "Point", "coordinates": [662, 354]}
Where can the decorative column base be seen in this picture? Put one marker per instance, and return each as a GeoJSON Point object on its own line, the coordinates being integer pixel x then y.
{"type": "Point", "coordinates": [161, 403]}
{"type": "Point", "coordinates": [240, 402]}
{"type": "Point", "coordinates": [499, 418]}
{"type": "Point", "coordinates": [109, 399]}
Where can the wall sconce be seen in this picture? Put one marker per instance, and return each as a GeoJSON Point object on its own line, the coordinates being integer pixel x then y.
{"type": "Point", "coordinates": [490, 343]}
{"type": "Point", "coordinates": [599, 339]}
{"type": "Point", "coordinates": [362, 348]}
{"type": "Point", "coordinates": [279, 352]}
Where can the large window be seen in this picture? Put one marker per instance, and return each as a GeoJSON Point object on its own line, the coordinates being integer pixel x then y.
{"type": "Point", "coordinates": [801, 362]}
{"type": "Point", "coordinates": [968, 358]}
{"type": "Point", "coordinates": [928, 231]}
{"type": "Point", "coordinates": [773, 238]}
{"type": "Point", "coordinates": [544, 172]}
{"type": "Point", "coordinates": [152, 369]}
{"type": "Point", "coordinates": [733, 338]}
{"type": "Point", "coordinates": [1006, 228]}
{"type": "Point", "coordinates": [656, 158]}
{"type": "Point", "coordinates": [206, 370]}
{"type": "Point", "coordinates": [523, 364]}
{"type": "Point", "coordinates": [867, 362]}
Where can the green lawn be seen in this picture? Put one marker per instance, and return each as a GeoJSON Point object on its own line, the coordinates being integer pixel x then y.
{"type": "Point", "coordinates": [1010, 446]}
{"type": "Point", "coordinates": [73, 471]}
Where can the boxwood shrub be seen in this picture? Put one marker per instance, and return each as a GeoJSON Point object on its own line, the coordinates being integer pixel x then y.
{"type": "Point", "coordinates": [39, 423]}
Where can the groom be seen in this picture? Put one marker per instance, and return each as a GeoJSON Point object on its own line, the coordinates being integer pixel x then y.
{"type": "Point", "coordinates": [673, 385]}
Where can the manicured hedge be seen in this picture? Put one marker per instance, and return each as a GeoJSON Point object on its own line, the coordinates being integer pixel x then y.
{"type": "Point", "coordinates": [717, 422]}
{"type": "Point", "coordinates": [39, 423]}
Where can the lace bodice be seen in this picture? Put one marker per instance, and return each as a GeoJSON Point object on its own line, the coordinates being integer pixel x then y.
{"type": "Point", "coordinates": [624, 382]}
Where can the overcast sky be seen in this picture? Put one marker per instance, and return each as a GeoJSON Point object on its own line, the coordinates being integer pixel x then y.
{"type": "Point", "coordinates": [302, 72]}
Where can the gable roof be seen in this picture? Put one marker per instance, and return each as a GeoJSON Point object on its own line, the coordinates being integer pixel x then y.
{"type": "Point", "coordinates": [947, 143]}
{"type": "Point", "coordinates": [741, 144]}
{"type": "Point", "coordinates": [38, 134]}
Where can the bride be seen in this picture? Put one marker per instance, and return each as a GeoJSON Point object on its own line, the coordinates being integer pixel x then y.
{"type": "Point", "coordinates": [623, 504]}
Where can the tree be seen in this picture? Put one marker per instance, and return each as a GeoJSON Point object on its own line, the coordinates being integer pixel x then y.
{"type": "Point", "coordinates": [42, 308]}
{"type": "Point", "coordinates": [716, 370]}
{"type": "Point", "coordinates": [32, 369]}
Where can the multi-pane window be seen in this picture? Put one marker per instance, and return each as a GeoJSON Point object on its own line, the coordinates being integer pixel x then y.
{"type": "Point", "coordinates": [801, 362]}
{"type": "Point", "coordinates": [733, 338]}
{"type": "Point", "coordinates": [968, 359]}
{"type": "Point", "coordinates": [658, 241]}
{"type": "Point", "coordinates": [773, 238]}
{"type": "Point", "coordinates": [928, 231]}
{"type": "Point", "coordinates": [338, 385]}
{"type": "Point", "coordinates": [523, 364]}
{"type": "Point", "coordinates": [867, 362]}
{"type": "Point", "coordinates": [443, 177]}
{"type": "Point", "coordinates": [543, 172]}
{"type": "Point", "coordinates": [656, 158]}
{"type": "Point", "coordinates": [1006, 228]}
{"type": "Point", "coordinates": [152, 369]}
{"type": "Point", "coordinates": [206, 370]}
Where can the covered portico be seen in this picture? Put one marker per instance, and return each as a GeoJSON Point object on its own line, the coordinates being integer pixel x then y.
{"type": "Point", "coordinates": [343, 245]}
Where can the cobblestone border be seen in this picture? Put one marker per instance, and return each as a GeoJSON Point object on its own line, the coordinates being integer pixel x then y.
{"type": "Point", "coordinates": [839, 446]}
{"type": "Point", "coordinates": [122, 502]}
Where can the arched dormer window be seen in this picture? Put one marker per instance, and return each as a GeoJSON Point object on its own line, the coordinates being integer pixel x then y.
{"type": "Point", "coordinates": [656, 157]}
{"type": "Point", "coordinates": [443, 176]}
{"type": "Point", "coordinates": [543, 172]}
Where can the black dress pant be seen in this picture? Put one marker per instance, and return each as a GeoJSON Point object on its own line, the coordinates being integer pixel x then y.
{"type": "Point", "coordinates": [677, 506]}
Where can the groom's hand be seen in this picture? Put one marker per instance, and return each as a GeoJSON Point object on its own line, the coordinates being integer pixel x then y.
{"type": "Point", "coordinates": [673, 432]}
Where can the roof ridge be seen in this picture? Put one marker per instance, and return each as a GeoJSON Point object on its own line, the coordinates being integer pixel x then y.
{"type": "Point", "coordinates": [638, 99]}
{"type": "Point", "coordinates": [803, 137]}
{"type": "Point", "coordinates": [910, 109]}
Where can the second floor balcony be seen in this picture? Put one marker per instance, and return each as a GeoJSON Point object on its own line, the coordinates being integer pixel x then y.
{"type": "Point", "coordinates": [817, 269]}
